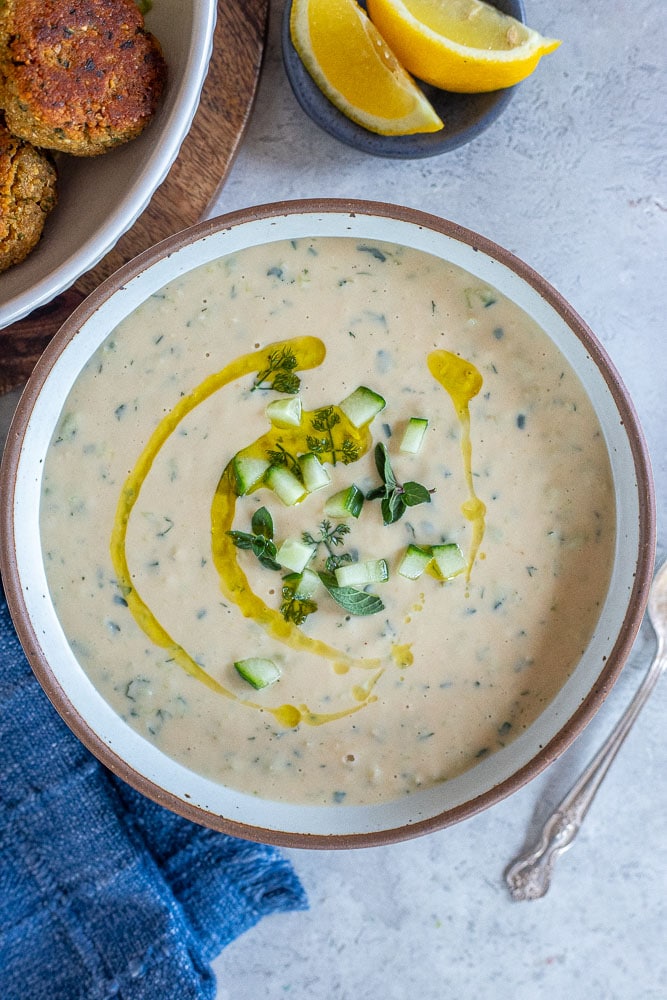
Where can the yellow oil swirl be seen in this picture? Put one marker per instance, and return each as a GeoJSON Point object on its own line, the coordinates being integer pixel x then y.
{"type": "Point", "coordinates": [463, 382]}
{"type": "Point", "coordinates": [310, 353]}
{"type": "Point", "coordinates": [233, 581]}
{"type": "Point", "coordinates": [458, 377]}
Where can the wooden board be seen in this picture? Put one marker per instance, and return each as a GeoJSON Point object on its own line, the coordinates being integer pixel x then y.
{"type": "Point", "coordinates": [202, 165]}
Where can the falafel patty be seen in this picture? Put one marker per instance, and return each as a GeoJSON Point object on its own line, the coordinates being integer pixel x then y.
{"type": "Point", "coordinates": [27, 195]}
{"type": "Point", "coordinates": [80, 76]}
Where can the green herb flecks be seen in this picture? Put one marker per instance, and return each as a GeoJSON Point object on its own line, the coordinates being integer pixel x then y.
{"type": "Point", "coordinates": [279, 374]}
{"type": "Point", "coordinates": [259, 540]}
{"type": "Point", "coordinates": [324, 421]}
{"type": "Point", "coordinates": [395, 497]}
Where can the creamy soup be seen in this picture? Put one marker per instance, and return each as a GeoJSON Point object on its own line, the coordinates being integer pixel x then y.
{"type": "Point", "coordinates": [222, 609]}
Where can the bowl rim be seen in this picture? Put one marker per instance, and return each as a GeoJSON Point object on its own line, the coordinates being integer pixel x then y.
{"type": "Point", "coordinates": [573, 724]}
{"type": "Point", "coordinates": [157, 165]}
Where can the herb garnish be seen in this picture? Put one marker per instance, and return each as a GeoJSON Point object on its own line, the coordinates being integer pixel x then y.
{"type": "Point", "coordinates": [260, 541]}
{"type": "Point", "coordinates": [325, 420]}
{"type": "Point", "coordinates": [330, 538]}
{"type": "Point", "coordinates": [280, 456]}
{"type": "Point", "coordinates": [355, 602]}
{"type": "Point", "coordinates": [295, 609]}
{"type": "Point", "coordinates": [396, 497]}
{"type": "Point", "coordinates": [281, 365]}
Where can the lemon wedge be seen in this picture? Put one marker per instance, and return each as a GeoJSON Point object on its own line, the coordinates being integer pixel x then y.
{"type": "Point", "coordinates": [352, 65]}
{"type": "Point", "coordinates": [466, 46]}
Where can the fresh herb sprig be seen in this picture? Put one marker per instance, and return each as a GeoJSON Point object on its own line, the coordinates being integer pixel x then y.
{"type": "Point", "coordinates": [280, 456]}
{"type": "Point", "coordinates": [295, 609]}
{"type": "Point", "coordinates": [279, 373]}
{"type": "Point", "coordinates": [396, 497]}
{"type": "Point", "coordinates": [330, 537]}
{"type": "Point", "coordinates": [260, 540]}
{"type": "Point", "coordinates": [324, 421]}
{"type": "Point", "coordinates": [355, 602]}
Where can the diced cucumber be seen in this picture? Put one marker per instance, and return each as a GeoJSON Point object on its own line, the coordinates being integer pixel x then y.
{"type": "Point", "coordinates": [345, 503]}
{"type": "Point", "coordinates": [285, 485]}
{"type": "Point", "coordinates": [294, 554]}
{"type": "Point", "coordinates": [448, 560]}
{"type": "Point", "coordinates": [414, 562]}
{"type": "Point", "coordinates": [248, 472]}
{"type": "Point", "coordinates": [413, 438]}
{"type": "Point", "coordinates": [362, 405]}
{"type": "Point", "coordinates": [305, 585]}
{"type": "Point", "coordinates": [315, 476]}
{"type": "Point", "coordinates": [360, 574]}
{"type": "Point", "coordinates": [285, 412]}
{"type": "Point", "coordinates": [258, 671]}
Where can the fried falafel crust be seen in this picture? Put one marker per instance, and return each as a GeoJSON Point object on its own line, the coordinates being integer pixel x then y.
{"type": "Point", "coordinates": [27, 195]}
{"type": "Point", "coordinates": [80, 76]}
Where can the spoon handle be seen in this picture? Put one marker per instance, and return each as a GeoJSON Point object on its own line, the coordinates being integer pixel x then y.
{"type": "Point", "coordinates": [529, 875]}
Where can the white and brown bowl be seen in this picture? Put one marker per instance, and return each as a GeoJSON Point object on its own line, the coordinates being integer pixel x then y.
{"type": "Point", "coordinates": [208, 801]}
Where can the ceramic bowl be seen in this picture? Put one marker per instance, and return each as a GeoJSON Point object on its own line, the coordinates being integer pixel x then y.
{"type": "Point", "coordinates": [158, 776]}
{"type": "Point", "coordinates": [465, 116]}
{"type": "Point", "coordinates": [99, 198]}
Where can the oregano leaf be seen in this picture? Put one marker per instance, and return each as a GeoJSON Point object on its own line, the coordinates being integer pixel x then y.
{"type": "Point", "coordinates": [395, 497]}
{"type": "Point", "coordinates": [262, 523]}
{"type": "Point", "coordinates": [355, 602]}
{"type": "Point", "coordinates": [415, 493]}
{"type": "Point", "coordinates": [241, 539]}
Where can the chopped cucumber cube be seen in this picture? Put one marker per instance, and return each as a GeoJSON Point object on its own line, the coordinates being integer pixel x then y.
{"type": "Point", "coordinates": [362, 405]}
{"type": "Point", "coordinates": [305, 585]}
{"type": "Point", "coordinates": [285, 412]}
{"type": "Point", "coordinates": [315, 476]}
{"type": "Point", "coordinates": [360, 574]}
{"type": "Point", "coordinates": [294, 554]}
{"type": "Point", "coordinates": [258, 671]}
{"type": "Point", "coordinates": [248, 472]}
{"type": "Point", "coordinates": [345, 503]}
{"type": "Point", "coordinates": [448, 560]}
{"type": "Point", "coordinates": [285, 485]}
{"type": "Point", "coordinates": [414, 562]}
{"type": "Point", "coordinates": [413, 438]}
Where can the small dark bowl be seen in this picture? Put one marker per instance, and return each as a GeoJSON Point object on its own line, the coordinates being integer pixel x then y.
{"type": "Point", "coordinates": [465, 115]}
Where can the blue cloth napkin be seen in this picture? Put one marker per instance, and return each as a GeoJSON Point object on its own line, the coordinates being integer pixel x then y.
{"type": "Point", "coordinates": [104, 894]}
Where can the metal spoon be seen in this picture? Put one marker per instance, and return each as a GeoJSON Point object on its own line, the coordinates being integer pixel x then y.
{"type": "Point", "coordinates": [529, 875]}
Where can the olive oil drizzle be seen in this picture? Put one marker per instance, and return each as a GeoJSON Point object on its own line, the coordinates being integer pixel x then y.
{"type": "Point", "coordinates": [463, 382]}
{"type": "Point", "coordinates": [235, 585]}
{"type": "Point", "coordinates": [310, 352]}
{"type": "Point", "coordinates": [457, 376]}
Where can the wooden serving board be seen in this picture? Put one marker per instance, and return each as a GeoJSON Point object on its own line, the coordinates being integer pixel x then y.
{"type": "Point", "coordinates": [202, 165]}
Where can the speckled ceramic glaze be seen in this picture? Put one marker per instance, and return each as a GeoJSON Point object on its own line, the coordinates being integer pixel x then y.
{"type": "Point", "coordinates": [465, 115]}
{"type": "Point", "coordinates": [122, 749]}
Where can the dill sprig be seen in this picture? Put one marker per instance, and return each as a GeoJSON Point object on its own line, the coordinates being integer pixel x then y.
{"type": "Point", "coordinates": [295, 609]}
{"type": "Point", "coordinates": [325, 420]}
{"type": "Point", "coordinates": [279, 373]}
{"type": "Point", "coordinates": [331, 538]}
